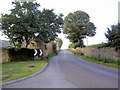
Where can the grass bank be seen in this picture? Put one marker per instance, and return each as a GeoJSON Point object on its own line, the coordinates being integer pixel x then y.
{"type": "Point", "coordinates": [16, 70]}
{"type": "Point", "coordinates": [19, 69]}
{"type": "Point", "coordinates": [98, 60]}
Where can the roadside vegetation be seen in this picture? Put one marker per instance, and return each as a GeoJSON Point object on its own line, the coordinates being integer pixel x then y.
{"type": "Point", "coordinates": [99, 45]}
{"type": "Point", "coordinates": [113, 36]}
{"type": "Point", "coordinates": [24, 23]}
{"type": "Point", "coordinates": [99, 60]}
{"type": "Point", "coordinates": [18, 69]}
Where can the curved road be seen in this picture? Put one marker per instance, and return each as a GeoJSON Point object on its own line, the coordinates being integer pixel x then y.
{"type": "Point", "coordinates": [69, 71]}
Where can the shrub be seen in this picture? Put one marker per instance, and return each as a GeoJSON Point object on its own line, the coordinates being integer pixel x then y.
{"type": "Point", "coordinates": [54, 48]}
{"type": "Point", "coordinates": [72, 45]}
{"type": "Point", "coordinates": [49, 56]}
{"type": "Point", "coordinates": [82, 54]}
{"type": "Point", "coordinates": [22, 54]}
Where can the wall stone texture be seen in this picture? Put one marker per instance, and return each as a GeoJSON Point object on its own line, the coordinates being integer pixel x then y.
{"type": "Point", "coordinates": [4, 55]}
{"type": "Point", "coordinates": [41, 45]}
{"type": "Point", "coordinates": [101, 52]}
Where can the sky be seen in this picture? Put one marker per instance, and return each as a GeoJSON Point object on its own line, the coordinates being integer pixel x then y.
{"type": "Point", "coordinates": [103, 13]}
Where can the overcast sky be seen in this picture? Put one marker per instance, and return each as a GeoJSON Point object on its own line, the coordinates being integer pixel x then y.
{"type": "Point", "coordinates": [103, 13]}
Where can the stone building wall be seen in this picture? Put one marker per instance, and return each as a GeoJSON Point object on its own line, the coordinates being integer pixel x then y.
{"type": "Point", "coordinates": [41, 45]}
{"type": "Point", "coordinates": [49, 48]}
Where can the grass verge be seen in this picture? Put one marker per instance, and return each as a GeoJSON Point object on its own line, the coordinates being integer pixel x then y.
{"type": "Point", "coordinates": [16, 70]}
{"type": "Point", "coordinates": [104, 61]}
{"type": "Point", "coordinates": [19, 69]}
{"type": "Point", "coordinates": [50, 55]}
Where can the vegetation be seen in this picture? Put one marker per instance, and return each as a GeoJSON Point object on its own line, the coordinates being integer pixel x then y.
{"type": "Point", "coordinates": [99, 45]}
{"type": "Point", "coordinates": [60, 42]}
{"type": "Point", "coordinates": [22, 54]}
{"type": "Point", "coordinates": [113, 36]}
{"type": "Point", "coordinates": [54, 47]}
{"type": "Point", "coordinates": [20, 69]}
{"type": "Point", "coordinates": [25, 22]}
{"type": "Point", "coordinates": [50, 55]}
{"type": "Point", "coordinates": [72, 45]}
{"type": "Point", "coordinates": [99, 60]}
{"type": "Point", "coordinates": [77, 26]}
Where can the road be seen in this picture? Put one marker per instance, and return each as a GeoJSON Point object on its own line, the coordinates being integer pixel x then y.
{"type": "Point", "coordinates": [69, 71]}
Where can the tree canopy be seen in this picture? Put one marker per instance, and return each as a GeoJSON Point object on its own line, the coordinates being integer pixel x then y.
{"type": "Point", "coordinates": [113, 35]}
{"type": "Point", "coordinates": [72, 45]}
{"type": "Point", "coordinates": [25, 22]}
{"type": "Point", "coordinates": [77, 26]}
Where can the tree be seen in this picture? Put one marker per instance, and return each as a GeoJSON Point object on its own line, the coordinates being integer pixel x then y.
{"type": "Point", "coordinates": [77, 26]}
{"type": "Point", "coordinates": [18, 25]}
{"type": "Point", "coordinates": [49, 24]}
{"type": "Point", "coordinates": [113, 35]}
{"type": "Point", "coordinates": [25, 22]}
{"type": "Point", "coordinates": [60, 42]}
{"type": "Point", "coordinates": [72, 45]}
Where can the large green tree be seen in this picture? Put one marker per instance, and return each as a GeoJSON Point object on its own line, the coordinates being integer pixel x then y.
{"type": "Point", "coordinates": [18, 25]}
{"type": "Point", "coordinates": [49, 24]}
{"type": "Point", "coordinates": [25, 22]}
{"type": "Point", "coordinates": [77, 26]}
{"type": "Point", "coordinates": [113, 35]}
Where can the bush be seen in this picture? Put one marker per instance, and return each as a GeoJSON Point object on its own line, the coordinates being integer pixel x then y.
{"type": "Point", "coordinates": [22, 54]}
{"type": "Point", "coordinates": [82, 54]}
{"type": "Point", "coordinates": [49, 56]}
{"type": "Point", "coordinates": [54, 48]}
{"type": "Point", "coordinates": [72, 45]}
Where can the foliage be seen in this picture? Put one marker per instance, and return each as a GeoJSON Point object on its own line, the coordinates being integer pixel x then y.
{"type": "Point", "coordinates": [99, 45]}
{"type": "Point", "coordinates": [99, 60]}
{"type": "Point", "coordinates": [25, 22]}
{"type": "Point", "coordinates": [113, 35]}
{"type": "Point", "coordinates": [49, 24]}
{"type": "Point", "coordinates": [22, 54]}
{"type": "Point", "coordinates": [77, 26]}
{"type": "Point", "coordinates": [18, 25]}
{"type": "Point", "coordinates": [54, 47]}
{"type": "Point", "coordinates": [50, 55]}
{"type": "Point", "coordinates": [72, 45]}
{"type": "Point", "coordinates": [60, 42]}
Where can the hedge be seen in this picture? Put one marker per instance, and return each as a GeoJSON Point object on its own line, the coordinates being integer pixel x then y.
{"type": "Point", "coordinates": [22, 54]}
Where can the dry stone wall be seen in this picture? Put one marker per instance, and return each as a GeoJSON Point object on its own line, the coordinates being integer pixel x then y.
{"type": "Point", "coordinates": [4, 55]}
{"type": "Point", "coordinates": [101, 52]}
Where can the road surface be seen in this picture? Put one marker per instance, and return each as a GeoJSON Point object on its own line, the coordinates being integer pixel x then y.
{"type": "Point", "coordinates": [69, 71]}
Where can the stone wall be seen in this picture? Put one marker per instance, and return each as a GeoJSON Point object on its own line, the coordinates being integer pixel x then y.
{"type": "Point", "coordinates": [49, 48]}
{"type": "Point", "coordinates": [101, 52]}
{"type": "Point", "coordinates": [41, 45]}
{"type": "Point", "coordinates": [4, 52]}
{"type": "Point", "coordinates": [4, 55]}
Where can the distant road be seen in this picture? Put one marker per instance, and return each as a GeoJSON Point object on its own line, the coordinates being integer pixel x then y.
{"type": "Point", "coordinates": [69, 71]}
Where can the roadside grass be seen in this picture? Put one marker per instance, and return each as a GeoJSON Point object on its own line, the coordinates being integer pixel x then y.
{"type": "Point", "coordinates": [19, 69]}
{"type": "Point", "coordinates": [16, 70]}
{"type": "Point", "coordinates": [50, 55]}
{"type": "Point", "coordinates": [103, 61]}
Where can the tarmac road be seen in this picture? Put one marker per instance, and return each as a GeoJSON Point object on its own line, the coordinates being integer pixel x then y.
{"type": "Point", "coordinates": [69, 71]}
